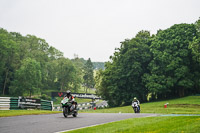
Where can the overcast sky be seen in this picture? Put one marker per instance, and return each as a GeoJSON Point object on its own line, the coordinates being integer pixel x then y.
{"type": "Point", "coordinates": [93, 28]}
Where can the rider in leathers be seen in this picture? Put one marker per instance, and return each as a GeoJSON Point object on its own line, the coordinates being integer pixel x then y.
{"type": "Point", "coordinates": [137, 101]}
{"type": "Point", "coordinates": [71, 99]}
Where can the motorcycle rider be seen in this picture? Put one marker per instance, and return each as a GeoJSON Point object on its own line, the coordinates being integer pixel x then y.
{"type": "Point", "coordinates": [71, 99]}
{"type": "Point", "coordinates": [137, 101]}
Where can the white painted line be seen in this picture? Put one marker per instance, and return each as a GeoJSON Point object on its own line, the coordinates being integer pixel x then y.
{"type": "Point", "coordinates": [83, 127]}
{"type": "Point", "coordinates": [100, 124]}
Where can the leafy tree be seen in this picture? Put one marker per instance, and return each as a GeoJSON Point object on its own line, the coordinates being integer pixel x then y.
{"type": "Point", "coordinates": [15, 49]}
{"type": "Point", "coordinates": [79, 72]}
{"type": "Point", "coordinates": [88, 75]}
{"type": "Point", "coordinates": [170, 69]}
{"type": "Point", "coordinates": [98, 81]}
{"type": "Point", "coordinates": [66, 73]}
{"type": "Point", "coordinates": [8, 57]}
{"type": "Point", "coordinates": [27, 78]}
{"type": "Point", "coordinates": [195, 44]}
{"type": "Point", "coordinates": [122, 78]}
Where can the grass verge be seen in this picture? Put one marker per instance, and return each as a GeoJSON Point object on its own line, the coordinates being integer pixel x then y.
{"type": "Point", "coordinates": [189, 124]}
{"type": "Point", "coordinates": [6, 113]}
{"type": "Point", "coordinates": [186, 105]}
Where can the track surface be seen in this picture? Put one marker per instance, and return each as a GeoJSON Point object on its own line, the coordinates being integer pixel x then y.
{"type": "Point", "coordinates": [56, 122]}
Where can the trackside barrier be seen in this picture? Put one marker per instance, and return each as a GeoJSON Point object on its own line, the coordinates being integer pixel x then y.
{"type": "Point", "coordinates": [15, 103]}
{"type": "Point", "coordinates": [4, 103]}
{"type": "Point", "coordinates": [83, 106]}
{"type": "Point", "coordinates": [80, 106]}
{"type": "Point", "coordinates": [101, 106]}
{"type": "Point", "coordinates": [46, 105]}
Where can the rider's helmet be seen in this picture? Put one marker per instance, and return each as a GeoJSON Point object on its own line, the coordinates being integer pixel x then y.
{"type": "Point", "coordinates": [135, 99]}
{"type": "Point", "coordinates": [68, 93]}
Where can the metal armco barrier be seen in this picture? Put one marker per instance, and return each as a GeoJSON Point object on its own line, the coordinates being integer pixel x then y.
{"type": "Point", "coordinates": [16, 103]}
{"type": "Point", "coordinates": [46, 105]}
{"type": "Point", "coordinates": [4, 103]}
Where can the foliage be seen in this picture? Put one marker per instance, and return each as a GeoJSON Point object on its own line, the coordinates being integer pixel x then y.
{"type": "Point", "coordinates": [171, 69]}
{"type": "Point", "coordinates": [66, 73]}
{"type": "Point", "coordinates": [195, 44]}
{"type": "Point", "coordinates": [27, 78]}
{"type": "Point", "coordinates": [56, 72]}
{"type": "Point", "coordinates": [8, 59]}
{"type": "Point", "coordinates": [98, 80]}
{"type": "Point", "coordinates": [88, 75]}
{"type": "Point", "coordinates": [122, 78]}
{"type": "Point", "coordinates": [45, 97]}
{"type": "Point", "coordinates": [160, 66]}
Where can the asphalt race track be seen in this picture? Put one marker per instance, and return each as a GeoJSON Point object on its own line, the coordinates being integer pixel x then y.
{"type": "Point", "coordinates": [51, 123]}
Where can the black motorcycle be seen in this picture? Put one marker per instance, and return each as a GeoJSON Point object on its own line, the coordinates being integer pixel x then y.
{"type": "Point", "coordinates": [69, 108]}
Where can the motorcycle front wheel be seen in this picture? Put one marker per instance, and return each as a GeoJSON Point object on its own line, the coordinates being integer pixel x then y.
{"type": "Point", "coordinates": [65, 111]}
{"type": "Point", "coordinates": [135, 110]}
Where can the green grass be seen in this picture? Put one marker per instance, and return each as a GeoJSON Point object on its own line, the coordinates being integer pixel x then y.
{"type": "Point", "coordinates": [6, 113]}
{"type": "Point", "coordinates": [78, 100]}
{"type": "Point", "coordinates": [186, 105]}
{"type": "Point", "coordinates": [180, 124]}
{"type": "Point", "coordinates": [82, 90]}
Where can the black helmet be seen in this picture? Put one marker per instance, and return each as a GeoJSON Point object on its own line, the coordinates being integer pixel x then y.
{"type": "Point", "coordinates": [68, 92]}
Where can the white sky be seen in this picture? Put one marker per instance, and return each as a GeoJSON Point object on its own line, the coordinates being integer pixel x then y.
{"type": "Point", "coordinates": [93, 28]}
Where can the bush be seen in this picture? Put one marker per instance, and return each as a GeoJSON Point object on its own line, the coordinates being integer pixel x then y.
{"type": "Point", "coordinates": [45, 97]}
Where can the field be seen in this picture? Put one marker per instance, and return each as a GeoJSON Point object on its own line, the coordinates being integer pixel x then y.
{"type": "Point", "coordinates": [161, 124]}
{"type": "Point", "coordinates": [6, 113]}
{"type": "Point", "coordinates": [180, 124]}
{"type": "Point", "coordinates": [186, 105]}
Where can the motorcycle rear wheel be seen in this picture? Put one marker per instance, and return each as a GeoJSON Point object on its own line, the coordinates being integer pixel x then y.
{"type": "Point", "coordinates": [75, 114]}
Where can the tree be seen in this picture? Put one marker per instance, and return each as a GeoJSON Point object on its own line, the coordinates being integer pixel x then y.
{"type": "Point", "coordinates": [195, 44]}
{"type": "Point", "coordinates": [15, 49]}
{"type": "Point", "coordinates": [79, 72]}
{"type": "Point", "coordinates": [27, 78]}
{"type": "Point", "coordinates": [171, 71]}
{"type": "Point", "coordinates": [98, 81]}
{"type": "Point", "coordinates": [88, 75]}
{"type": "Point", "coordinates": [66, 73]}
{"type": "Point", "coordinates": [8, 57]}
{"type": "Point", "coordinates": [122, 78]}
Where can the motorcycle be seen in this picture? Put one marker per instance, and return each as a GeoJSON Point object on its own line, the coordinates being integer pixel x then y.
{"type": "Point", "coordinates": [69, 108]}
{"type": "Point", "coordinates": [135, 107]}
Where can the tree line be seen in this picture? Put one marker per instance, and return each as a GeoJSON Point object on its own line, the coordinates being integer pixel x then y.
{"type": "Point", "coordinates": [152, 67]}
{"type": "Point", "coordinates": [29, 65]}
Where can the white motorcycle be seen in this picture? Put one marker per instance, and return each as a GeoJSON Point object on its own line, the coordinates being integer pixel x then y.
{"type": "Point", "coordinates": [135, 107]}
